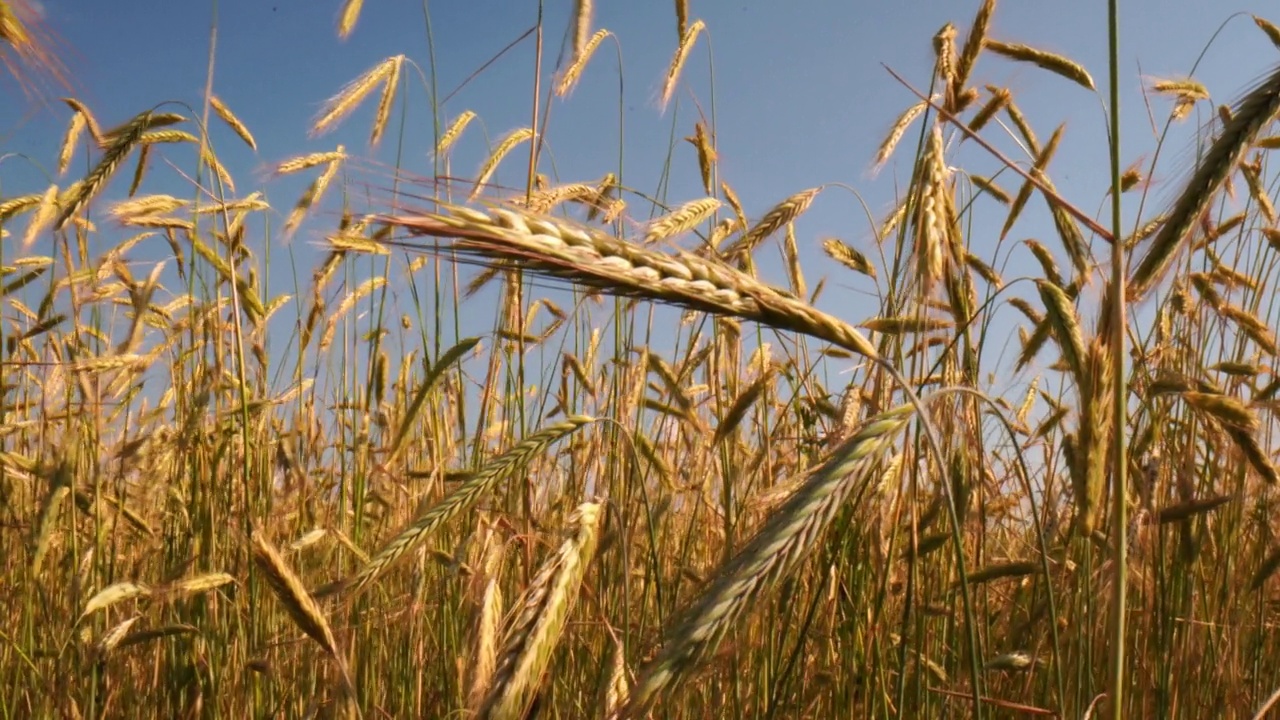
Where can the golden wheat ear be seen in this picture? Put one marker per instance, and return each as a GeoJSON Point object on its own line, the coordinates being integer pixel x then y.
{"type": "Point", "coordinates": [559, 249]}
{"type": "Point", "coordinates": [1255, 111]}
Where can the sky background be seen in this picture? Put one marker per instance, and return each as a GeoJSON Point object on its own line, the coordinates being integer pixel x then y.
{"type": "Point", "coordinates": [799, 94]}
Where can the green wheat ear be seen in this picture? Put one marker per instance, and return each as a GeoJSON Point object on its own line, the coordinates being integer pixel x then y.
{"type": "Point", "coordinates": [775, 552]}
{"type": "Point", "coordinates": [483, 482]}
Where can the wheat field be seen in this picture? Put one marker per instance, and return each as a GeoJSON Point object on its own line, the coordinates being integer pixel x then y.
{"type": "Point", "coordinates": [659, 485]}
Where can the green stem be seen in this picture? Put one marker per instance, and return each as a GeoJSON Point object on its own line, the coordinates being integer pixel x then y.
{"type": "Point", "coordinates": [1119, 386]}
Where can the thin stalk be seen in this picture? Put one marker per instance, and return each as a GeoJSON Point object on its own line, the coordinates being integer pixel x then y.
{"type": "Point", "coordinates": [1119, 387]}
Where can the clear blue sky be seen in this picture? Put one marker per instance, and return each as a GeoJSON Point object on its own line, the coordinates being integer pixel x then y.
{"type": "Point", "coordinates": [800, 96]}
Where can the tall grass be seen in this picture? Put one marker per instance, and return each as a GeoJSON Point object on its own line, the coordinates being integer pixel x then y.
{"type": "Point", "coordinates": [647, 490]}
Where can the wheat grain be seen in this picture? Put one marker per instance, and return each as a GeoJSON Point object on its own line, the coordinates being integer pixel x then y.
{"type": "Point", "coordinates": [389, 86]}
{"type": "Point", "coordinates": [571, 74]}
{"type": "Point", "coordinates": [778, 216]}
{"type": "Point", "coordinates": [972, 46]}
{"type": "Point", "coordinates": [291, 593]}
{"type": "Point", "coordinates": [1052, 62]}
{"type": "Point", "coordinates": [465, 496]}
{"type": "Point", "coordinates": [347, 19]}
{"type": "Point", "coordinates": [558, 249]}
{"type": "Point", "coordinates": [74, 129]}
{"type": "Point", "coordinates": [899, 128]}
{"type": "Point", "coordinates": [451, 135]}
{"type": "Point", "coordinates": [1272, 32]}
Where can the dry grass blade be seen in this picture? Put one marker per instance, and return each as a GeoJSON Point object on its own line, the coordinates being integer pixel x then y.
{"type": "Point", "coordinates": [771, 556]}
{"type": "Point", "coordinates": [465, 496]}
{"type": "Point", "coordinates": [1253, 113]}
{"type": "Point", "coordinates": [559, 249]}
{"type": "Point", "coordinates": [686, 217]}
{"type": "Point", "coordinates": [491, 163]}
{"type": "Point", "coordinates": [687, 40]}
{"type": "Point", "coordinates": [1054, 63]}
{"type": "Point", "coordinates": [233, 122]}
{"type": "Point", "coordinates": [544, 608]}
{"type": "Point", "coordinates": [340, 105]}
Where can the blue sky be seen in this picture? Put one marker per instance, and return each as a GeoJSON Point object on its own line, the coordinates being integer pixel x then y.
{"type": "Point", "coordinates": [800, 94]}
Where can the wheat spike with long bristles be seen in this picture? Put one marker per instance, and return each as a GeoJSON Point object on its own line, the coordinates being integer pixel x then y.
{"type": "Point", "coordinates": [559, 249]}
{"type": "Point", "coordinates": [302, 608]}
{"type": "Point", "coordinates": [774, 220]}
{"type": "Point", "coordinates": [544, 609]}
{"type": "Point", "coordinates": [772, 555]}
{"type": "Point", "coordinates": [459, 500]}
{"type": "Point", "coordinates": [685, 217]}
{"type": "Point", "coordinates": [350, 96]}
{"type": "Point", "coordinates": [491, 163]}
{"type": "Point", "coordinates": [1258, 108]}
{"type": "Point", "coordinates": [677, 61]}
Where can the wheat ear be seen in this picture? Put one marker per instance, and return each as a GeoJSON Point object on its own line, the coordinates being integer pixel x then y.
{"type": "Point", "coordinates": [1253, 113]}
{"type": "Point", "coordinates": [775, 552]}
{"type": "Point", "coordinates": [544, 608]}
{"type": "Point", "coordinates": [456, 502]}
{"type": "Point", "coordinates": [556, 248]}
